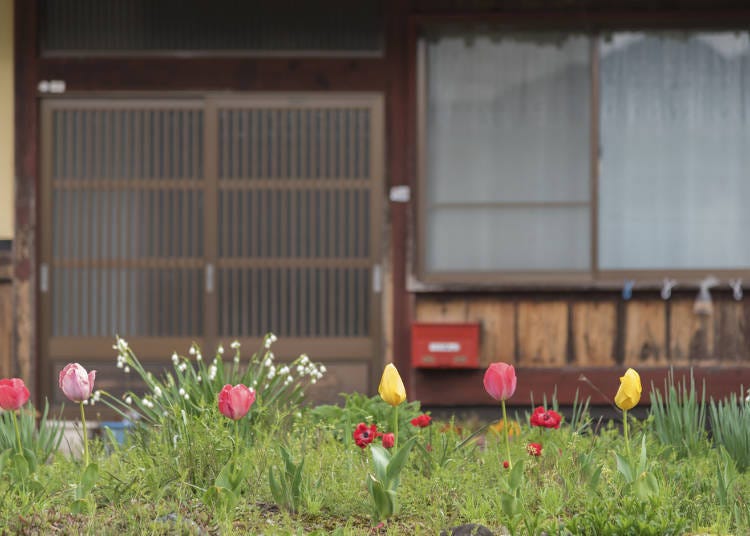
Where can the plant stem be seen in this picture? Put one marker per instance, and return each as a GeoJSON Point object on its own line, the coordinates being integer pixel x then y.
{"type": "Point", "coordinates": [85, 437]}
{"type": "Point", "coordinates": [236, 437]}
{"type": "Point", "coordinates": [394, 426]}
{"type": "Point", "coordinates": [625, 431]}
{"type": "Point", "coordinates": [18, 432]}
{"type": "Point", "coordinates": [506, 427]}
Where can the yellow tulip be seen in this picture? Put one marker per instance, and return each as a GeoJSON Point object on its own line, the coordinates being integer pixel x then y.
{"type": "Point", "coordinates": [629, 393]}
{"type": "Point", "coordinates": [391, 387]}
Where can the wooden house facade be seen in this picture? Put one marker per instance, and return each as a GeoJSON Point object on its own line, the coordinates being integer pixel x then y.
{"type": "Point", "coordinates": [335, 172]}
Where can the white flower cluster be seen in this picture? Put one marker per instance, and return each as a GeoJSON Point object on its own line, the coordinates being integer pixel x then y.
{"type": "Point", "coordinates": [183, 394]}
{"type": "Point", "coordinates": [269, 340]}
{"type": "Point", "coordinates": [157, 391]}
{"type": "Point", "coordinates": [146, 402]}
{"type": "Point", "coordinates": [175, 358]}
{"type": "Point", "coordinates": [94, 398]}
{"type": "Point", "coordinates": [220, 350]}
{"type": "Point", "coordinates": [235, 345]}
{"type": "Point", "coordinates": [212, 372]}
{"type": "Point", "coordinates": [305, 367]}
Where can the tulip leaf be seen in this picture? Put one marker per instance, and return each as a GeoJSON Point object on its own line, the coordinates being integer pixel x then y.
{"type": "Point", "coordinates": [380, 459]}
{"type": "Point", "coordinates": [643, 460]}
{"type": "Point", "coordinates": [276, 491]}
{"type": "Point", "coordinates": [509, 504]}
{"type": "Point", "coordinates": [88, 480]}
{"type": "Point", "coordinates": [516, 475]}
{"type": "Point", "coordinates": [384, 506]}
{"type": "Point", "coordinates": [31, 459]}
{"type": "Point", "coordinates": [398, 461]}
{"type": "Point", "coordinates": [80, 506]}
{"type": "Point", "coordinates": [624, 468]}
{"type": "Point", "coordinates": [20, 466]}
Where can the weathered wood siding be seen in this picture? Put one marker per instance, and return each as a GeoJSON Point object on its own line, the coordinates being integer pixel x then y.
{"type": "Point", "coordinates": [6, 321]}
{"type": "Point", "coordinates": [576, 330]}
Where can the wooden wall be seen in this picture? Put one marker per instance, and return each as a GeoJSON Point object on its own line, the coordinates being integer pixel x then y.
{"type": "Point", "coordinates": [579, 343]}
{"type": "Point", "coordinates": [604, 331]}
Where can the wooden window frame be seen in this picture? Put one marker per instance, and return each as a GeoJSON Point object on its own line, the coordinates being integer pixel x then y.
{"type": "Point", "coordinates": [594, 24]}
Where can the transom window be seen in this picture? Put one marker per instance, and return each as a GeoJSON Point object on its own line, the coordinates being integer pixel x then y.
{"type": "Point", "coordinates": [559, 156]}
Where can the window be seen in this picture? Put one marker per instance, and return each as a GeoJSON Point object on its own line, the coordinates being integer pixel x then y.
{"type": "Point", "coordinates": [513, 124]}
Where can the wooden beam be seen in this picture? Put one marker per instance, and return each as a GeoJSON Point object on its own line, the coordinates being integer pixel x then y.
{"type": "Point", "coordinates": [26, 167]}
{"type": "Point", "coordinates": [465, 388]}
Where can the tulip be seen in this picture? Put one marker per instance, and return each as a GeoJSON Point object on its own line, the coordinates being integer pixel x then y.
{"type": "Point", "coordinates": [75, 383]}
{"type": "Point", "coordinates": [500, 384]}
{"type": "Point", "coordinates": [500, 381]}
{"type": "Point", "coordinates": [392, 390]}
{"type": "Point", "coordinates": [391, 387]}
{"type": "Point", "coordinates": [629, 393]}
{"type": "Point", "coordinates": [627, 397]}
{"type": "Point", "coordinates": [235, 402]}
{"type": "Point", "coordinates": [13, 395]}
{"type": "Point", "coordinates": [388, 440]}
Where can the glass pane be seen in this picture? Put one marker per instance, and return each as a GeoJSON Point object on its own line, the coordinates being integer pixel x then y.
{"type": "Point", "coordinates": [514, 239]}
{"type": "Point", "coordinates": [675, 131]}
{"type": "Point", "coordinates": [508, 118]}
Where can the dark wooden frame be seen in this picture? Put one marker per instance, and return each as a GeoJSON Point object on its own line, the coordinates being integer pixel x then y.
{"type": "Point", "coordinates": [594, 277]}
{"type": "Point", "coordinates": [394, 74]}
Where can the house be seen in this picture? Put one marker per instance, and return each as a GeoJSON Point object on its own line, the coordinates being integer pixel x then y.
{"type": "Point", "coordinates": [336, 171]}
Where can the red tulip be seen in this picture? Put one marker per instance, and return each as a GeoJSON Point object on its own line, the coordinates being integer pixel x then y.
{"type": "Point", "coordinates": [500, 381]}
{"type": "Point", "coordinates": [13, 393]}
{"type": "Point", "coordinates": [388, 440]}
{"type": "Point", "coordinates": [76, 383]}
{"type": "Point", "coordinates": [235, 402]}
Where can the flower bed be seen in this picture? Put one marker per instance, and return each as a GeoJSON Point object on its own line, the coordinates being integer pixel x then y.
{"type": "Point", "coordinates": [228, 447]}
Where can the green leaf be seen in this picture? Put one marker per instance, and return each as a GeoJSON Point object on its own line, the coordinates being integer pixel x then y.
{"type": "Point", "coordinates": [509, 504]}
{"type": "Point", "coordinates": [624, 468]}
{"type": "Point", "coordinates": [80, 506]}
{"type": "Point", "coordinates": [90, 475]}
{"type": "Point", "coordinates": [4, 457]}
{"type": "Point", "coordinates": [276, 491]}
{"type": "Point", "coordinates": [382, 500]}
{"type": "Point", "coordinates": [398, 461]}
{"type": "Point", "coordinates": [516, 476]}
{"type": "Point", "coordinates": [20, 467]}
{"type": "Point", "coordinates": [380, 459]}
{"type": "Point", "coordinates": [594, 478]}
{"type": "Point", "coordinates": [31, 459]}
{"type": "Point", "coordinates": [643, 460]}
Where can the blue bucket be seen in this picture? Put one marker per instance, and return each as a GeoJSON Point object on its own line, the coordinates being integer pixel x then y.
{"type": "Point", "coordinates": [118, 429]}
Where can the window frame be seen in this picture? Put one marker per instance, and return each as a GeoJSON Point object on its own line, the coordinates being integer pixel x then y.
{"type": "Point", "coordinates": [595, 25]}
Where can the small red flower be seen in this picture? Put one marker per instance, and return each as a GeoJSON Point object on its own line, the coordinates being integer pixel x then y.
{"type": "Point", "coordinates": [364, 435]}
{"type": "Point", "coordinates": [545, 418]}
{"type": "Point", "coordinates": [421, 421]}
{"type": "Point", "coordinates": [535, 449]}
{"type": "Point", "coordinates": [506, 464]}
{"type": "Point", "coordinates": [428, 447]}
{"type": "Point", "coordinates": [388, 440]}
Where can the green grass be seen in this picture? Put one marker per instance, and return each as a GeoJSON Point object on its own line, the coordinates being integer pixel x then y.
{"type": "Point", "coordinates": [153, 485]}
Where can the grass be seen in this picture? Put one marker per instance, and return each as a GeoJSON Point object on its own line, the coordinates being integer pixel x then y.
{"type": "Point", "coordinates": [152, 485]}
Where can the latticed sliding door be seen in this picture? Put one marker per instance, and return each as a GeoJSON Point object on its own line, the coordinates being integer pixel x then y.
{"type": "Point", "coordinates": [210, 219]}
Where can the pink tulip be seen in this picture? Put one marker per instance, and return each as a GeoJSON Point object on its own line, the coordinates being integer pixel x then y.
{"type": "Point", "coordinates": [500, 381]}
{"type": "Point", "coordinates": [389, 440]}
{"type": "Point", "coordinates": [235, 402]}
{"type": "Point", "coordinates": [13, 393]}
{"type": "Point", "coordinates": [76, 383]}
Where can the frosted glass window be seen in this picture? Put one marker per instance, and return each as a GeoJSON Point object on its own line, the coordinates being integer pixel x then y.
{"type": "Point", "coordinates": [675, 167]}
{"type": "Point", "coordinates": [513, 239]}
{"type": "Point", "coordinates": [507, 163]}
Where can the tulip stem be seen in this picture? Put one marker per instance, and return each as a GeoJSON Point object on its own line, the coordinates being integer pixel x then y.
{"type": "Point", "coordinates": [395, 427]}
{"type": "Point", "coordinates": [507, 434]}
{"type": "Point", "coordinates": [85, 437]}
{"type": "Point", "coordinates": [236, 437]}
{"type": "Point", "coordinates": [18, 432]}
{"type": "Point", "coordinates": [625, 431]}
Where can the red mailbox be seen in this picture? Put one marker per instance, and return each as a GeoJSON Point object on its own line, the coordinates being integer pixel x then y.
{"type": "Point", "coordinates": [445, 345]}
